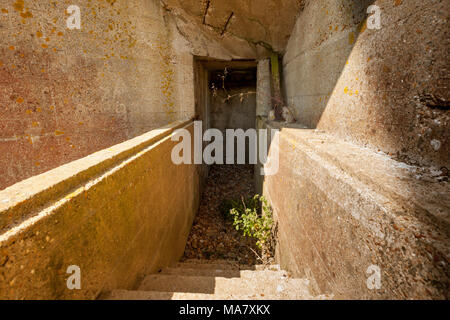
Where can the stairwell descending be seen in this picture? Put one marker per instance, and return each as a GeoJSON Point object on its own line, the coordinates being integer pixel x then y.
{"type": "Point", "coordinates": [355, 92]}
{"type": "Point", "coordinates": [219, 280]}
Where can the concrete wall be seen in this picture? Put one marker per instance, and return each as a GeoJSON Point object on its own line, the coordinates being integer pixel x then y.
{"type": "Point", "coordinates": [118, 214]}
{"type": "Point", "coordinates": [234, 113]}
{"type": "Point", "coordinates": [65, 93]}
{"type": "Point", "coordinates": [342, 209]}
{"type": "Point", "coordinates": [386, 89]}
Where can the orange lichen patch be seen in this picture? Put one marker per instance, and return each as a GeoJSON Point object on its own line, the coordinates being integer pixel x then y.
{"type": "Point", "coordinates": [26, 15]}
{"type": "Point", "coordinates": [18, 5]}
{"type": "Point", "coordinates": [37, 163]}
{"type": "Point", "coordinates": [52, 107]}
{"type": "Point", "coordinates": [1, 63]}
{"type": "Point", "coordinates": [29, 111]}
{"type": "Point", "coordinates": [47, 39]}
{"type": "Point", "coordinates": [59, 133]}
{"type": "Point", "coordinates": [398, 2]}
{"type": "Point", "coordinates": [12, 48]}
{"type": "Point", "coordinates": [60, 34]}
{"type": "Point", "coordinates": [35, 124]}
{"type": "Point", "coordinates": [39, 109]}
{"type": "Point", "coordinates": [19, 100]}
{"type": "Point", "coordinates": [44, 46]}
{"type": "Point", "coordinates": [4, 10]}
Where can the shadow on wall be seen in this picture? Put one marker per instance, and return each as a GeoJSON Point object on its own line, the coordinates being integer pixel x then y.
{"type": "Point", "coordinates": [383, 88]}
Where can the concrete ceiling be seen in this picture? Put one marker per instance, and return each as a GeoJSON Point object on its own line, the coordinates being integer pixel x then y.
{"type": "Point", "coordinates": [244, 28]}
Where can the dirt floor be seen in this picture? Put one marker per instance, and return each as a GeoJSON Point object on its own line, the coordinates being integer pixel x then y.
{"type": "Point", "coordinates": [212, 236]}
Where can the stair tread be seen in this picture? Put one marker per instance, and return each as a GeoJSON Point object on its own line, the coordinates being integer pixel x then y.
{"type": "Point", "coordinates": [261, 283]}
{"type": "Point", "coordinates": [223, 273]}
{"type": "Point", "coordinates": [223, 266]}
{"type": "Point", "coordinates": [160, 295]}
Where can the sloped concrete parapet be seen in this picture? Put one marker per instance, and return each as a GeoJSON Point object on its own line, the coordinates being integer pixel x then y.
{"type": "Point", "coordinates": [116, 225]}
{"type": "Point", "coordinates": [344, 211]}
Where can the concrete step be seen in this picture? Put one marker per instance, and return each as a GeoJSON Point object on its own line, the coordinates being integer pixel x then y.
{"type": "Point", "coordinates": [257, 284]}
{"type": "Point", "coordinates": [155, 295]}
{"type": "Point", "coordinates": [223, 266]}
{"type": "Point", "coordinates": [224, 273]}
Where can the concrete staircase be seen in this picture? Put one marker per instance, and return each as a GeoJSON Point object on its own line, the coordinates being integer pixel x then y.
{"type": "Point", "coordinates": [218, 280]}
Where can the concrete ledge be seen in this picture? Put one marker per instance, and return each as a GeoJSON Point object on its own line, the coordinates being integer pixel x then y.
{"type": "Point", "coordinates": [342, 208]}
{"type": "Point", "coordinates": [118, 215]}
{"type": "Point", "coordinates": [22, 199]}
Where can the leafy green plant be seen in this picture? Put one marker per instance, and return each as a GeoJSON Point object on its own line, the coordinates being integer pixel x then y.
{"type": "Point", "coordinates": [254, 217]}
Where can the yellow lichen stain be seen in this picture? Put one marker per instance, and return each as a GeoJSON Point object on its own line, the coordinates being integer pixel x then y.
{"type": "Point", "coordinates": [52, 108]}
{"type": "Point", "coordinates": [26, 14]}
{"type": "Point", "coordinates": [39, 109]}
{"type": "Point", "coordinates": [363, 26]}
{"type": "Point", "coordinates": [35, 124]}
{"type": "Point", "coordinates": [39, 34]}
{"type": "Point", "coordinates": [29, 111]}
{"type": "Point", "coordinates": [19, 5]}
{"type": "Point", "coordinates": [80, 123]}
{"type": "Point", "coordinates": [44, 46]}
{"type": "Point", "coordinates": [59, 133]}
{"type": "Point", "coordinates": [351, 38]}
{"type": "Point", "coordinates": [346, 90]}
{"type": "Point", "coordinates": [19, 100]}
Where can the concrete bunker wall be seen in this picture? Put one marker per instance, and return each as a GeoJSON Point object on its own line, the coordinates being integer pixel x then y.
{"type": "Point", "coordinates": [65, 94]}
{"type": "Point", "coordinates": [118, 214]}
{"type": "Point", "coordinates": [342, 207]}
{"type": "Point", "coordinates": [385, 89]}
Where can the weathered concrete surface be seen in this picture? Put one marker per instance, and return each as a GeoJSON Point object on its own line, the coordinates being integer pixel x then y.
{"type": "Point", "coordinates": [235, 113]}
{"type": "Point", "coordinates": [65, 94]}
{"type": "Point", "coordinates": [203, 280]}
{"type": "Point", "coordinates": [263, 89]}
{"type": "Point", "coordinates": [235, 29]}
{"type": "Point", "coordinates": [387, 89]}
{"type": "Point", "coordinates": [125, 222]}
{"type": "Point", "coordinates": [342, 208]}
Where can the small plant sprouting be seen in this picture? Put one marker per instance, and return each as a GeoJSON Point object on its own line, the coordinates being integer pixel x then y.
{"type": "Point", "coordinates": [255, 218]}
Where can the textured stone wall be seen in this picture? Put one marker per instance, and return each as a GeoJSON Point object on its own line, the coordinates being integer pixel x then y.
{"type": "Point", "coordinates": [344, 212]}
{"type": "Point", "coordinates": [131, 219]}
{"type": "Point", "coordinates": [234, 113]}
{"type": "Point", "coordinates": [386, 89]}
{"type": "Point", "coordinates": [65, 93]}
